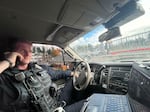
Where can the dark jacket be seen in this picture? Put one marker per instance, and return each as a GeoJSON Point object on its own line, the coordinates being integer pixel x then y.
{"type": "Point", "coordinates": [14, 94]}
{"type": "Point", "coordinates": [56, 74]}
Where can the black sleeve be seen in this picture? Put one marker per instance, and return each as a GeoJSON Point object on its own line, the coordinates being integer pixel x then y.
{"type": "Point", "coordinates": [56, 74]}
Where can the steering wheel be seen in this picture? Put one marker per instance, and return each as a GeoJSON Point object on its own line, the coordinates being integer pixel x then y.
{"type": "Point", "coordinates": [85, 76]}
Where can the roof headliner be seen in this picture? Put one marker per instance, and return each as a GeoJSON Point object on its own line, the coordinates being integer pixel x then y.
{"type": "Point", "coordinates": [54, 21]}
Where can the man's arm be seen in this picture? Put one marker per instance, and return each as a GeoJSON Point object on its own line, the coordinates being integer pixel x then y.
{"type": "Point", "coordinates": [57, 74]}
{"type": "Point", "coordinates": [9, 61]}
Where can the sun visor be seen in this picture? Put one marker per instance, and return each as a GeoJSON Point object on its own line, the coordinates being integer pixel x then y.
{"type": "Point", "coordinates": [88, 13]}
{"type": "Point", "coordinates": [127, 13]}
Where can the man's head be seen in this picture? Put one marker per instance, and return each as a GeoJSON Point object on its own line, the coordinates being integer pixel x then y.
{"type": "Point", "coordinates": [24, 48]}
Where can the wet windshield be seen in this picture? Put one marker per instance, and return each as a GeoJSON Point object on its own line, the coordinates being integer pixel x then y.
{"type": "Point", "coordinates": [132, 45]}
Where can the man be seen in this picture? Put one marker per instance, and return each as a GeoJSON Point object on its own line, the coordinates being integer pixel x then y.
{"type": "Point", "coordinates": [24, 87]}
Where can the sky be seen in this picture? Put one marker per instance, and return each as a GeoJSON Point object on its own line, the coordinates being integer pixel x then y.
{"type": "Point", "coordinates": [91, 37]}
{"type": "Point", "coordinates": [128, 29]}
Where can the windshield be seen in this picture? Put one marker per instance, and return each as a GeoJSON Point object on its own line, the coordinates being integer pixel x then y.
{"type": "Point", "coordinates": [132, 45]}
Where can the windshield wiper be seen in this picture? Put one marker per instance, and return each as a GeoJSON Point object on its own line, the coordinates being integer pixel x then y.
{"type": "Point", "coordinates": [127, 61]}
{"type": "Point", "coordinates": [145, 60]}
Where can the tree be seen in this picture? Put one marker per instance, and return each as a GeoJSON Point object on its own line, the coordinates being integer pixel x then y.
{"type": "Point", "coordinates": [90, 47]}
{"type": "Point", "coordinates": [39, 50]}
{"type": "Point", "coordinates": [49, 51]}
{"type": "Point", "coordinates": [34, 49]}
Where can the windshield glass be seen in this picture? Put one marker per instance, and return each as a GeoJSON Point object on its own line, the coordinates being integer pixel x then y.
{"type": "Point", "coordinates": [132, 45]}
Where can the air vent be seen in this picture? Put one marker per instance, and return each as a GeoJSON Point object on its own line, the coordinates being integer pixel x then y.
{"type": "Point", "coordinates": [125, 68]}
{"type": "Point", "coordinates": [115, 68]}
{"type": "Point", "coordinates": [106, 70]}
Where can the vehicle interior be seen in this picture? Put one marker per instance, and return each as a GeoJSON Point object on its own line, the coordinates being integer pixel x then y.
{"type": "Point", "coordinates": [62, 22]}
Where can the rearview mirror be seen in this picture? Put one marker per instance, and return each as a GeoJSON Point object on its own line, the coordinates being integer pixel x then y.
{"type": "Point", "coordinates": [111, 33]}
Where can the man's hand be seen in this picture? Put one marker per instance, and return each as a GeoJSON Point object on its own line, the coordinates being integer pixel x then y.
{"type": "Point", "coordinates": [75, 74]}
{"type": "Point", "coordinates": [12, 57]}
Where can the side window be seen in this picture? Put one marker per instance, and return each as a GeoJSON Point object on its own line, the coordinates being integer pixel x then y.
{"type": "Point", "coordinates": [50, 55]}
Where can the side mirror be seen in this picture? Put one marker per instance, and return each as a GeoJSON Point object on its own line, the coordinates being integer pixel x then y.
{"type": "Point", "coordinates": [111, 33]}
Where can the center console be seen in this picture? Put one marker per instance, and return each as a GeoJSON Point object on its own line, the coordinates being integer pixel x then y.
{"type": "Point", "coordinates": [115, 79]}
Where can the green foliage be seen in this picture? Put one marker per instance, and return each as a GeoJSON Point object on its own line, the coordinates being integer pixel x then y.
{"type": "Point", "coordinates": [49, 51]}
{"type": "Point", "coordinates": [39, 50]}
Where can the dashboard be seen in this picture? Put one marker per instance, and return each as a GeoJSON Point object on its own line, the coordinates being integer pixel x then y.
{"type": "Point", "coordinates": [133, 79]}
{"type": "Point", "coordinates": [112, 77]}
